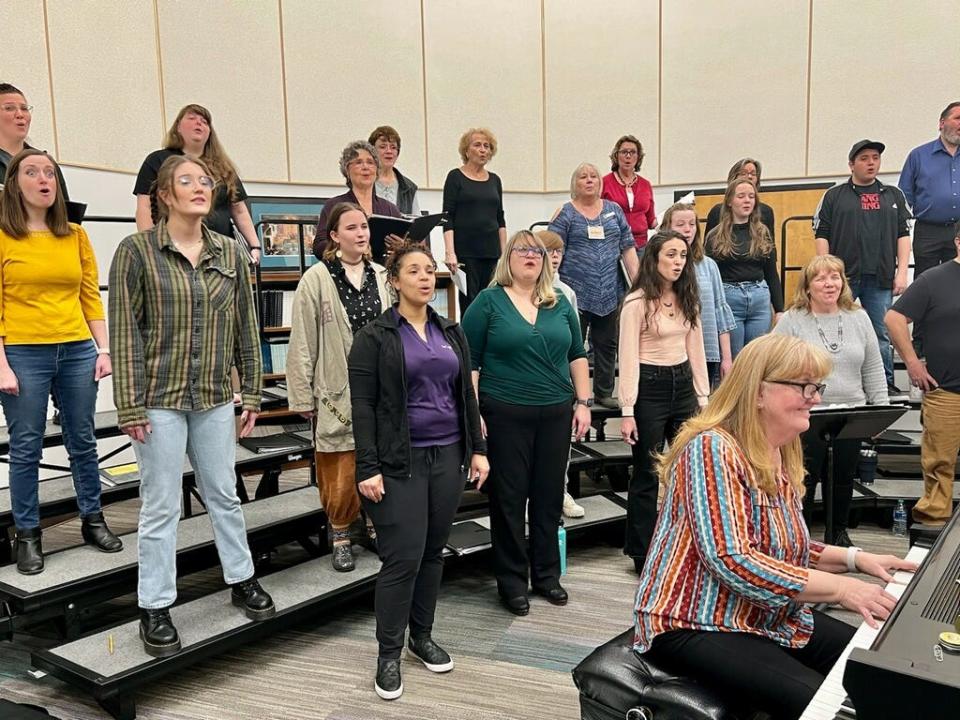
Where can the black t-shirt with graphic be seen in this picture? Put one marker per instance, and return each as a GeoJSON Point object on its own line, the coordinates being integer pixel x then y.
{"type": "Point", "coordinates": [869, 226]}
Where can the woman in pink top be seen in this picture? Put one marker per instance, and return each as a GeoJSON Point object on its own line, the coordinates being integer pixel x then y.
{"type": "Point", "coordinates": [663, 372]}
{"type": "Point", "coordinates": [627, 189]}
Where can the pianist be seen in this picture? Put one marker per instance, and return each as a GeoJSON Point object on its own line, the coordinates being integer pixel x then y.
{"type": "Point", "coordinates": [723, 595]}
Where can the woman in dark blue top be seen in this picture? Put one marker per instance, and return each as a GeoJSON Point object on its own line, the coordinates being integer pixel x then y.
{"type": "Point", "coordinates": [417, 430]}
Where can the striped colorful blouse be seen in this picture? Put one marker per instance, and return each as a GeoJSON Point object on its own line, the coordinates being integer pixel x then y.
{"type": "Point", "coordinates": [726, 556]}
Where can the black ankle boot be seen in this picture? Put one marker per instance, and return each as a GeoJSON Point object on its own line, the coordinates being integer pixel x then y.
{"type": "Point", "coordinates": [160, 638]}
{"type": "Point", "coordinates": [29, 551]}
{"type": "Point", "coordinates": [253, 599]}
{"type": "Point", "coordinates": [96, 533]}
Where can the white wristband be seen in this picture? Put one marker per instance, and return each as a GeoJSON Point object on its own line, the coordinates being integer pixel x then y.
{"type": "Point", "coordinates": [852, 559]}
{"type": "Point", "coordinates": [103, 351]}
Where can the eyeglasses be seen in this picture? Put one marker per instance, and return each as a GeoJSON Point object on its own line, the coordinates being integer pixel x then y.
{"type": "Point", "coordinates": [204, 181]}
{"type": "Point", "coordinates": [13, 107]}
{"type": "Point", "coordinates": [627, 152]}
{"type": "Point", "coordinates": [530, 252]}
{"type": "Point", "coordinates": [808, 390]}
{"type": "Point", "coordinates": [555, 251]}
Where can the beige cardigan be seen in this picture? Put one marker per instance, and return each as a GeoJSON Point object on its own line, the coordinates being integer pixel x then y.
{"type": "Point", "coordinates": [320, 341]}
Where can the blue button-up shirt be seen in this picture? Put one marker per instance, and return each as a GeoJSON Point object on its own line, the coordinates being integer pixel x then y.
{"type": "Point", "coordinates": [930, 180]}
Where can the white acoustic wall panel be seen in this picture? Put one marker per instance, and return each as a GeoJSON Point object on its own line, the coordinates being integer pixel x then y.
{"type": "Point", "coordinates": [734, 84]}
{"type": "Point", "coordinates": [601, 69]}
{"type": "Point", "coordinates": [350, 67]}
{"type": "Point", "coordinates": [484, 68]}
{"type": "Point", "coordinates": [226, 56]}
{"type": "Point", "coordinates": [105, 81]}
{"type": "Point", "coordinates": [880, 70]}
{"type": "Point", "coordinates": [25, 65]}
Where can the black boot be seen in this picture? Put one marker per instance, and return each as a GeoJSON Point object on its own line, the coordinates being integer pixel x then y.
{"type": "Point", "coordinates": [160, 638]}
{"type": "Point", "coordinates": [96, 533]}
{"type": "Point", "coordinates": [29, 551]}
{"type": "Point", "coordinates": [253, 599]}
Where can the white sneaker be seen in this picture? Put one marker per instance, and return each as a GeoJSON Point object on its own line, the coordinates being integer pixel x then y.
{"type": "Point", "coordinates": [570, 507]}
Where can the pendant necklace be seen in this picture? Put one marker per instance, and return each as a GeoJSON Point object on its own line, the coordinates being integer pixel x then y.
{"type": "Point", "coordinates": [833, 347]}
{"type": "Point", "coordinates": [670, 311]}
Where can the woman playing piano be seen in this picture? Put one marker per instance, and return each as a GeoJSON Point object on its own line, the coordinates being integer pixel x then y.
{"type": "Point", "coordinates": [725, 590]}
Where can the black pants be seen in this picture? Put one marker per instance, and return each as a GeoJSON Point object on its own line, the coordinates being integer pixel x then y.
{"type": "Point", "coordinates": [527, 446]}
{"type": "Point", "coordinates": [603, 341]}
{"type": "Point", "coordinates": [846, 458]}
{"type": "Point", "coordinates": [932, 246]}
{"type": "Point", "coordinates": [665, 399]}
{"type": "Point", "coordinates": [413, 523]}
{"type": "Point", "coordinates": [754, 670]}
{"type": "Point", "coordinates": [479, 272]}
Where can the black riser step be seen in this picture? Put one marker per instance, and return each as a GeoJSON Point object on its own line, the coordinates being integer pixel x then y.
{"type": "Point", "coordinates": [82, 574]}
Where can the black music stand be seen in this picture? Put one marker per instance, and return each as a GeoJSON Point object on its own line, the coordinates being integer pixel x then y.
{"type": "Point", "coordinates": [847, 423]}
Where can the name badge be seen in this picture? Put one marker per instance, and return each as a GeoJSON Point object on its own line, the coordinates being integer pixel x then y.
{"type": "Point", "coordinates": [595, 232]}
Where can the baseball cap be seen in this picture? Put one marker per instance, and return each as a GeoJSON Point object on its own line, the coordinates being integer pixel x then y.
{"type": "Point", "coordinates": [861, 145]}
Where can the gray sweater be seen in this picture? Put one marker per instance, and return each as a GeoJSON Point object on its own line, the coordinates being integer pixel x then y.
{"type": "Point", "coordinates": [857, 377]}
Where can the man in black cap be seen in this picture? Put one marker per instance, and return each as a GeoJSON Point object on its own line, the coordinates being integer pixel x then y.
{"type": "Point", "coordinates": [864, 223]}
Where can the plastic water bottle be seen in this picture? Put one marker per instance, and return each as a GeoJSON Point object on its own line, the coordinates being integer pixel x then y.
{"type": "Point", "coordinates": [900, 519]}
{"type": "Point", "coordinates": [562, 541]}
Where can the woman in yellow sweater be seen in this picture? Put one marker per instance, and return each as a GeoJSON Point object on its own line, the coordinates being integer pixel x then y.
{"type": "Point", "coordinates": [52, 336]}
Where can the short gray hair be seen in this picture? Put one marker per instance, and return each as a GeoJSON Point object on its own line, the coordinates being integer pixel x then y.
{"type": "Point", "coordinates": [576, 174]}
{"type": "Point", "coordinates": [351, 152]}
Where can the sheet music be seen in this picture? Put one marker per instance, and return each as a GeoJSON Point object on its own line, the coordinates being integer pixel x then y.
{"type": "Point", "coordinates": [826, 702]}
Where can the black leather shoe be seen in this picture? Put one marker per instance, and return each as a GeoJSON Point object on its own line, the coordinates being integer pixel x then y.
{"type": "Point", "coordinates": [389, 684]}
{"type": "Point", "coordinates": [840, 538]}
{"type": "Point", "coordinates": [253, 599]}
{"type": "Point", "coordinates": [638, 563]}
{"type": "Point", "coordinates": [434, 657]}
{"type": "Point", "coordinates": [96, 533]}
{"type": "Point", "coordinates": [28, 548]}
{"type": "Point", "coordinates": [555, 595]}
{"type": "Point", "coordinates": [342, 558]}
{"type": "Point", "coordinates": [160, 638]}
{"type": "Point", "coordinates": [518, 605]}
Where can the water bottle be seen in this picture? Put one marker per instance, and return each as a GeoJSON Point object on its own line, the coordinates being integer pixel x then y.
{"type": "Point", "coordinates": [900, 519]}
{"type": "Point", "coordinates": [562, 541]}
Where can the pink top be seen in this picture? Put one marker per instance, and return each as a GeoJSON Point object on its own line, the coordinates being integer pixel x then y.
{"type": "Point", "coordinates": [640, 214]}
{"type": "Point", "coordinates": [666, 341]}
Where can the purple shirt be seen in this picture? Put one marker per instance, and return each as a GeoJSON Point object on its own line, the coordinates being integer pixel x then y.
{"type": "Point", "coordinates": [432, 369]}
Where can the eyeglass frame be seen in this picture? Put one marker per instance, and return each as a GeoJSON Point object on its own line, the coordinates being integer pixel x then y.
{"type": "Point", "coordinates": [195, 180]}
{"type": "Point", "coordinates": [530, 251]}
{"type": "Point", "coordinates": [627, 152]}
{"type": "Point", "coordinates": [13, 107]}
{"type": "Point", "coordinates": [818, 388]}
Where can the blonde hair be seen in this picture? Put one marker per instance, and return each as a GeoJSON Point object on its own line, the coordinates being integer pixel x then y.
{"type": "Point", "coordinates": [543, 293]}
{"type": "Point", "coordinates": [217, 163]}
{"type": "Point", "coordinates": [817, 264]}
{"type": "Point", "coordinates": [696, 245]}
{"type": "Point", "coordinates": [733, 408]}
{"type": "Point", "coordinates": [466, 137]}
{"type": "Point", "coordinates": [550, 239]}
{"type": "Point", "coordinates": [576, 173]}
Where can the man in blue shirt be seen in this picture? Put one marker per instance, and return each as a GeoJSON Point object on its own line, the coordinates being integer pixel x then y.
{"type": "Point", "coordinates": [930, 180]}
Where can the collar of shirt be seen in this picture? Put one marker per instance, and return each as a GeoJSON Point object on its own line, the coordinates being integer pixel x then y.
{"type": "Point", "coordinates": [211, 245]}
{"type": "Point", "coordinates": [432, 316]}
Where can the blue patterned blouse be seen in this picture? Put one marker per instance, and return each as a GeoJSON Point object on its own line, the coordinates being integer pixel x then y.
{"type": "Point", "coordinates": [715, 315]}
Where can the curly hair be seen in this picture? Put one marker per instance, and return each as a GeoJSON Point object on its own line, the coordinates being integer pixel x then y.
{"type": "Point", "coordinates": [351, 152]}
{"type": "Point", "coordinates": [395, 261]}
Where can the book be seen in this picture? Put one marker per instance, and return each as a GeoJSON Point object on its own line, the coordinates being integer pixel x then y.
{"type": "Point", "coordinates": [119, 474]}
{"type": "Point", "coordinates": [415, 230]}
{"type": "Point", "coordinates": [275, 443]}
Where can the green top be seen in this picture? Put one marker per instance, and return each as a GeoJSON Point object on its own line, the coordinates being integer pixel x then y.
{"type": "Point", "coordinates": [520, 363]}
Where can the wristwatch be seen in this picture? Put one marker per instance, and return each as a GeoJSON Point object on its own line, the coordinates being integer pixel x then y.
{"type": "Point", "coordinates": [586, 403]}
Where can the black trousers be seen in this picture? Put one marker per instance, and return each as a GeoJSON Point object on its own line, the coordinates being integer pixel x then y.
{"type": "Point", "coordinates": [527, 446]}
{"type": "Point", "coordinates": [413, 524]}
{"type": "Point", "coordinates": [846, 458]}
{"type": "Point", "coordinates": [754, 670]}
{"type": "Point", "coordinates": [665, 399]}
{"type": "Point", "coordinates": [479, 272]}
{"type": "Point", "coordinates": [603, 341]}
{"type": "Point", "coordinates": [932, 246]}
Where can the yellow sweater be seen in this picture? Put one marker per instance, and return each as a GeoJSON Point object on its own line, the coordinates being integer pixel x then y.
{"type": "Point", "coordinates": [48, 288]}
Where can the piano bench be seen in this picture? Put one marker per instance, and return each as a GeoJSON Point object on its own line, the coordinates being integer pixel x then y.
{"type": "Point", "coordinates": [617, 683]}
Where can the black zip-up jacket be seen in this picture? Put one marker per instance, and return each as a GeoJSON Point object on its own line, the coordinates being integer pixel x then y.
{"type": "Point", "coordinates": [406, 189]}
{"type": "Point", "coordinates": [837, 220]}
{"type": "Point", "coordinates": [378, 389]}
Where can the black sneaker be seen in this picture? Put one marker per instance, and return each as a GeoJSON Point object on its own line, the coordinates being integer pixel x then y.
{"type": "Point", "coordinates": [254, 600]}
{"type": "Point", "coordinates": [434, 657]}
{"type": "Point", "coordinates": [388, 684]}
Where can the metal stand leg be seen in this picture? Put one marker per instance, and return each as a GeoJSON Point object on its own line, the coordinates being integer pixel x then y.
{"type": "Point", "coordinates": [122, 707]}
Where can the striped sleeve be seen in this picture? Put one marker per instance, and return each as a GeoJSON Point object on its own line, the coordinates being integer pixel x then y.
{"type": "Point", "coordinates": [247, 357]}
{"type": "Point", "coordinates": [126, 343]}
{"type": "Point", "coordinates": [722, 525]}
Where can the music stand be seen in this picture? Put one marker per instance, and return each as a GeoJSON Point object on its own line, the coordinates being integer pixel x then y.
{"type": "Point", "coordinates": [847, 423]}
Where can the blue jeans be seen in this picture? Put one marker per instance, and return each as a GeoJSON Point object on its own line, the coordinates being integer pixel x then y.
{"type": "Point", "coordinates": [750, 303]}
{"type": "Point", "coordinates": [67, 369]}
{"type": "Point", "coordinates": [876, 301]}
{"type": "Point", "coordinates": [208, 438]}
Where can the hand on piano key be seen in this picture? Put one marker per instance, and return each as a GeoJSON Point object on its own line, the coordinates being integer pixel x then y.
{"type": "Point", "coordinates": [871, 601]}
{"type": "Point", "coordinates": [883, 566]}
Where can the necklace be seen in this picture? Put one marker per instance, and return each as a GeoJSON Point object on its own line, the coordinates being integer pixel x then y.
{"type": "Point", "coordinates": [627, 183]}
{"type": "Point", "coordinates": [671, 312]}
{"type": "Point", "coordinates": [833, 347]}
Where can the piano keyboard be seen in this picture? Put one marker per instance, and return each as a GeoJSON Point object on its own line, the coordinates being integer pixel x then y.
{"type": "Point", "coordinates": [826, 703]}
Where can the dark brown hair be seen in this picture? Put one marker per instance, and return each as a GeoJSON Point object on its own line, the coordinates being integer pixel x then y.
{"type": "Point", "coordinates": [166, 176]}
{"type": "Point", "coordinates": [649, 282]}
{"type": "Point", "coordinates": [943, 116]}
{"type": "Point", "coordinates": [13, 212]}
{"type": "Point", "coordinates": [387, 133]}
{"type": "Point", "coordinates": [395, 261]}
{"type": "Point", "coordinates": [614, 162]}
{"type": "Point", "coordinates": [218, 164]}
{"type": "Point", "coordinates": [8, 89]}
